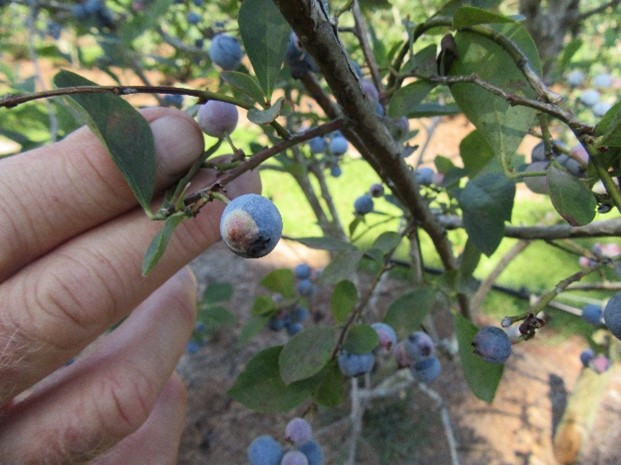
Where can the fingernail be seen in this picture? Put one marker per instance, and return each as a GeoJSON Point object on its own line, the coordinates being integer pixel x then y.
{"type": "Point", "coordinates": [178, 143]}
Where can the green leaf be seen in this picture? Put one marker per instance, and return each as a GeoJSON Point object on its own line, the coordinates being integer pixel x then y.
{"type": "Point", "coordinates": [306, 353]}
{"type": "Point", "coordinates": [122, 130]}
{"type": "Point", "coordinates": [344, 264]}
{"type": "Point", "coordinates": [344, 298]}
{"type": "Point", "coordinates": [245, 83]}
{"type": "Point", "coordinates": [470, 16]}
{"type": "Point", "coordinates": [427, 110]}
{"type": "Point", "coordinates": [281, 281]}
{"type": "Point", "coordinates": [217, 292]}
{"type": "Point", "coordinates": [325, 243]}
{"type": "Point", "coordinates": [260, 387]}
{"type": "Point", "coordinates": [216, 316]}
{"type": "Point", "coordinates": [408, 97]}
{"type": "Point", "coordinates": [502, 125]}
{"type": "Point", "coordinates": [330, 391]}
{"type": "Point", "coordinates": [265, 35]}
{"type": "Point", "coordinates": [387, 241]}
{"type": "Point", "coordinates": [268, 115]}
{"type": "Point", "coordinates": [158, 244]}
{"type": "Point", "coordinates": [486, 203]}
{"type": "Point", "coordinates": [469, 259]}
{"type": "Point", "coordinates": [482, 377]}
{"type": "Point", "coordinates": [253, 327]}
{"type": "Point", "coordinates": [423, 62]}
{"type": "Point", "coordinates": [570, 198]}
{"type": "Point", "coordinates": [361, 339]}
{"type": "Point", "coordinates": [477, 155]}
{"type": "Point", "coordinates": [263, 305]}
{"type": "Point", "coordinates": [406, 313]}
{"type": "Point", "coordinates": [609, 128]}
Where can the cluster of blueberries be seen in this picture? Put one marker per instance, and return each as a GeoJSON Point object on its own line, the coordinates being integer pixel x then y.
{"type": "Point", "coordinates": [575, 161]}
{"type": "Point", "coordinates": [364, 204]}
{"type": "Point", "coordinates": [94, 9]}
{"type": "Point", "coordinates": [416, 352]}
{"type": "Point", "coordinates": [599, 252]}
{"type": "Point", "coordinates": [292, 318]}
{"type": "Point", "coordinates": [591, 97]}
{"type": "Point", "coordinates": [265, 450]}
{"type": "Point", "coordinates": [333, 147]}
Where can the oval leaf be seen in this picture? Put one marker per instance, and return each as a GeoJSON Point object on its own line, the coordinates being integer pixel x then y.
{"type": "Point", "coordinates": [407, 312]}
{"type": "Point", "coordinates": [344, 298]}
{"type": "Point", "coordinates": [306, 354]}
{"type": "Point", "coordinates": [122, 130]}
{"type": "Point", "coordinates": [281, 281]}
{"type": "Point", "coordinates": [571, 199]}
{"type": "Point", "coordinates": [260, 387]}
{"type": "Point", "coordinates": [268, 115]}
{"type": "Point", "coordinates": [361, 339]}
{"type": "Point", "coordinates": [265, 35]}
{"type": "Point", "coordinates": [408, 97]}
{"type": "Point", "coordinates": [245, 83]}
{"type": "Point", "coordinates": [158, 244]}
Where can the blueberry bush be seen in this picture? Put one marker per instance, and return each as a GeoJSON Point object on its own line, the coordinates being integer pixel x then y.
{"type": "Point", "coordinates": [323, 83]}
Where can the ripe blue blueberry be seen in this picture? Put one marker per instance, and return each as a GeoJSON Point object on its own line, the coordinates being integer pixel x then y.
{"type": "Point", "coordinates": [294, 457]}
{"type": "Point", "coordinates": [612, 315]}
{"type": "Point", "coordinates": [371, 91]}
{"type": "Point", "coordinates": [427, 369]}
{"type": "Point", "coordinates": [302, 271]}
{"type": "Point", "coordinates": [418, 346]}
{"type": "Point", "coordinates": [592, 313]}
{"type": "Point", "coordinates": [586, 356]}
{"type": "Point", "coordinates": [79, 12]}
{"type": "Point", "coordinates": [298, 431]}
{"type": "Point", "coordinates": [216, 118]}
{"type": "Point", "coordinates": [338, 145]}
{"type": "Point", "coordinates": [265, 450]}
{"type": "Point", "coordinates": [317, 144]}
{"type": "Point", "coordinates": [300, 314]}
{"type": "Point", "coordinates": [251, 226]}
{"type": "Point", "coordinates": [387, 336]}
{"type": "Point", "coordinates": [192, 347]}
{"type": "Point", "coordinates": [336, 171]}
{"type": "Point", "coordinates": [355, 364]}
{"type": "Point", "coordinates": [313, 452]}
{"type": "Point", "coordinates": [589, 97]}
{"type": "Point", "coordinates": [603, 81]}
{"type": "Point", "coordinates": [363, 204]}
{"type": "Point", "coordinates": [492, 344]}
{"type": "Point", "coordinates": [424, 176]}
{"type": "Point", "coordinates": [276, 323]}
{"type": "Point", "coordinates": [575, 78]}
{"type": "Point", "coordinates": [306, 287]}
{"type": "Point", "coordinates": [601, 108]}
{"type": "Point", "coordinates": [173, 100]}
{"type": "Point", "coordinates": [225, 52]}
{"type": "Point", "coordinates": [298, 59]}
{"type": "Point", "coordinates": [193, 17]}
{"type": "Point", "coordinates": [294, 328]}
{"type": "Point", "coordinates": [376, 190]}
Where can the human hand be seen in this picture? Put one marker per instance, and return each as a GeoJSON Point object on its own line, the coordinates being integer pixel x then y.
{"type": "Point", "coordinates": [73, 239]}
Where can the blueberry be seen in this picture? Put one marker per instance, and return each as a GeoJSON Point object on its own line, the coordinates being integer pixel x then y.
{"type": "Point", "coordinates": [575, 78]}
{"type": "Point", "coordinates": [294, 457]}
{"type": "Point", "coordinates": [336, 171]}
{"type": "Point", "coordinates": [225, 52]}
{"type": "Point", "coordinates": [612, 315]}
{"type": "Point", "coordinates": [537, 184]}
{"type": "Point", "coordinates": [603, 81]}
{"type": "Point", "coordinates": [599, 363]}
{"type": "Point", "coordinates": [317, 144]}
{"type": "Point", "coordinates": [265, 450]}
{"type": "Point", "coordinates": [302, 271]}
{"type": "Point", "coordinates": [300, 314]}
{"type": "Point", "coordinates": [370, 91]}
{"type": "Point", "coordinates": [251, 226]}
{"type": "Point", "coordinates": [424, 176]}
{"type": "Point", "coordinates": [313, 452]}
{"type": "Point", "coordinates": [363, 204]}
{"type": "Point", "coordinates": [589, 97]}
{"type": "Point", "coordinates": [338, 145]}
{"type": "Point", "coordinates": [427, 369]}
{"type": "Point", "coordinates": [54, 29]}
{"type": "Point", "coordinates": [79, 12]}
{"type": "Point", "coordinates": [294, 328]}
{"type": "Point", "coordinates": [355, 364]}
{"type": "Point", "coordinates": [192, 347]}
{"type": "Point", "coordinates": [387, 335]}
{"type": "Point", "coordinates": [586, 356]}
{"type": "Point", "coordinates": [298, 431]}
{"type": "Point", "coordinates": [492, 344]}
{"type": "Point", "coordinates": [306, 287]}
{"type": "Point", "coordinates": [376, 190]}
{"type": "Point", "coordinates": [173, 100]}
{"type": "Point", "coordinates": [592, 314]}
{"type": "Point", "coordinates": [418, 345]}
{"type": "Point", "coordinates": [193, 17]}
{"type": "Point", "coordinates": [275, 323]}
{"type": "Point", "coordinates": [217, 118]}
{"type": "Point", "coordinates": [601, 108]}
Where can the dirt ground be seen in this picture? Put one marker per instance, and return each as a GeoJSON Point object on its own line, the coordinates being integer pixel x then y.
{"type": "Point", "coordinates": [516, 429]}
